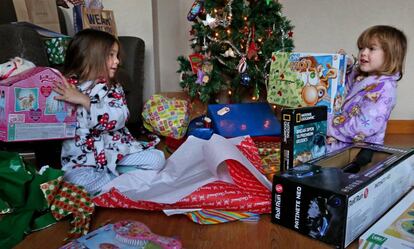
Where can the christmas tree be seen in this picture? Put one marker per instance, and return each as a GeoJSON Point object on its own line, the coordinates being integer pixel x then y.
{"type": "Point", "coordinates": [233, 41]}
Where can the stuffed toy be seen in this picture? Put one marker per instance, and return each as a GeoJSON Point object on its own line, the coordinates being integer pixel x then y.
{"type": "Point", "coordinates": [14, 66]}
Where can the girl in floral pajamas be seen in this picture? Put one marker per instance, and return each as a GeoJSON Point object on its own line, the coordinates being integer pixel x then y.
{"type": "Point", "coordinates": [371, 89]}
{"type": "Point", "coordinates": [103, 147]}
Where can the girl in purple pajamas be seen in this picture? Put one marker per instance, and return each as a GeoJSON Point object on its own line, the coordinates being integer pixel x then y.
{"type": "Point", "coordinates": [103, 147]}
{"type": "Point", "coordinates": [371, 89]}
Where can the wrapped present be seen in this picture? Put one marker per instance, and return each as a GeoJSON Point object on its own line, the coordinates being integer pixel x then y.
{"type": "Point", "coordinates": [254, 119]}
{"type": "Point", "coordinates": [56, 49]}
{"type": "Point", "coordinates": [307, 79]}
{"type": "Point", "coordinates": [29, 111]}
{"type": "Point", "coordinates": [56, 43]}
{"type": "Point", "coordinates": [166, 117]}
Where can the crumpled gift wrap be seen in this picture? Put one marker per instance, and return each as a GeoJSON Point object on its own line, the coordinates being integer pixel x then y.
{"type": "Point", "coordinates": [21, 200]}
{"type": "Point", "coordinates": [64, 199]}
{"type": "Point", "coordinates": [166, 116]}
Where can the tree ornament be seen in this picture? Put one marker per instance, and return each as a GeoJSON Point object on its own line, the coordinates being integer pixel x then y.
{"type": "Point", "coordinates": [245, 79]}
{"type": "Point", "coordinates": [205, 46]}
{"type": "Point", "coordinates": [225, 20]}
{"type": "Point", "coordinates": [200, 76]}
{"type": "Point", "coordinates": [245, 30]}
{"type": "Point", "coordinates": [252, 49]}
{"type": "Point", "coordinates": [207, 67]}
{"type": "Point", "coordinates": [269, 32]}
{"type": "Point", "coordinates": [206, 79]}
{"type": "Point", "coordinates": [210, 21]}
{"type": "Point", "coordinates": [195, 10]}
{"type": "Point", "coordinates": [192, 32]}
{"type": "Point", "coordinates": [229, 53]}
{"type": "Point", "coordinates": [242, 65]}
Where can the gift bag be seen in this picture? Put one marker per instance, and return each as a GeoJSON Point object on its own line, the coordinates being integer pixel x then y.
{"type": "Point", "coordinates": [166, 117]}
{"type": "Point", "coordinates": [41, 12]}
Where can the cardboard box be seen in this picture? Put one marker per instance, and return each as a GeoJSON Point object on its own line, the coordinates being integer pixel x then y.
{"type": "Point", "coordinates": [233, 120]}
{"type": "Point", "coordinates": [307, 79]}
{"type": "Point", "coordinates": [28, 110]}
{"type": "Point", "coordinates": [304, 135]}
{"type": "Point", "coordinates": [337, 197]}
{"type": "Point", "coordinates": [395, 229]}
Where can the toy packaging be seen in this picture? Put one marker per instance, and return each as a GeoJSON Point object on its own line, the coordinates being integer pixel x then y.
{"type": "Point", "coordinates": [395, 229]}
{"type": "Point", "coordinates": [307, 79]}
{"type": "Point", "coordinates": [126, 235]}
{"type": "Point", "coordinates": [233, 120]}
{"type": "Point", "coordinates": [28, 110]}
{"type": "Point", "coordinates": [304, 134]}
{"type": "Point", "coordinates": [335, 198]}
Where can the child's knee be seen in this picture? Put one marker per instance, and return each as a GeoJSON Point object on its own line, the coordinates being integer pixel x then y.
{"type": "Point", "coordinates": [159, 159]}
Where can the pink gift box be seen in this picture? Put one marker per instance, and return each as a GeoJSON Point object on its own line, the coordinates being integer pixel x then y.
{"type": "Point", "coordinates": [28, 110]}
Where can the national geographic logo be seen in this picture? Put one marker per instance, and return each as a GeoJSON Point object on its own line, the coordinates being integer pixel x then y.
{"type": "Point", "coordinates": [300, 117]}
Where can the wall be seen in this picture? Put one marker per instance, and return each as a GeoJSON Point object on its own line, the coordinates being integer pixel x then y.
{"type": "Point", "coordinates": [173, 32]}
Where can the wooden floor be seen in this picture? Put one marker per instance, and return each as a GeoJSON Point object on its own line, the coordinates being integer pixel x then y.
{"type": "Point", "coordinates": [261, 234]}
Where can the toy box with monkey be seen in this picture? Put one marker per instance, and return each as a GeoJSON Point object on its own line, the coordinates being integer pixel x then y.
{"type": "Point", "coordinates": [304, 135]}
{"type": "Point", "coordinates": [335, 198]}
{"type": "Point", "coordinates": [28, 110]}
{"type": "Point", "coordinates": [307, 79]}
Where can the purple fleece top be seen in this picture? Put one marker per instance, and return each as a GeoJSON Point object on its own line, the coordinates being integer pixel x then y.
{"type": "Point", "coordinates": [365, 110]}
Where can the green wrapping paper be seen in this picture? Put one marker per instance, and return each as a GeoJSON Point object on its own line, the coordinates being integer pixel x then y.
{"type": "Point", "coordinates": [22, 197]}
{"type": "Point", "coordinates": [56, 49]}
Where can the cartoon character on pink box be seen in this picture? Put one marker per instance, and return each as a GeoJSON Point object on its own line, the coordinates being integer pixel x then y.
{"type": "Point", "coordinates": [28, 110]}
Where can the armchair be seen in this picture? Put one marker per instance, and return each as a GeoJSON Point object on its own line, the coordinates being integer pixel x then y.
{"type": "Point", "coordinates": [16, 40]}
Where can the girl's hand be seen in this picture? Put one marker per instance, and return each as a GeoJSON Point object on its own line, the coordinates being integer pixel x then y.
{"type": "Point", "coordinates": [349, 59]}
{"type": "Point", "coordinates": [69, 93]}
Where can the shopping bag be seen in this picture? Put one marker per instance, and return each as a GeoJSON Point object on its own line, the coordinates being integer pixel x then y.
{"type": "Point", "coordinates": [40, 12]}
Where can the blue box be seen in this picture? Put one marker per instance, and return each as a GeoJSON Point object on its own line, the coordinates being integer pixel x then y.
{"type": "Point", "coordinates": [254, 119]}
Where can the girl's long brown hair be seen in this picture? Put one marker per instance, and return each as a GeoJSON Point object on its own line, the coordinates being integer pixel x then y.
{"type": "Point", "coordinates": [394, 44]}
{"type": "Point", "coordinates": [87, 54]}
